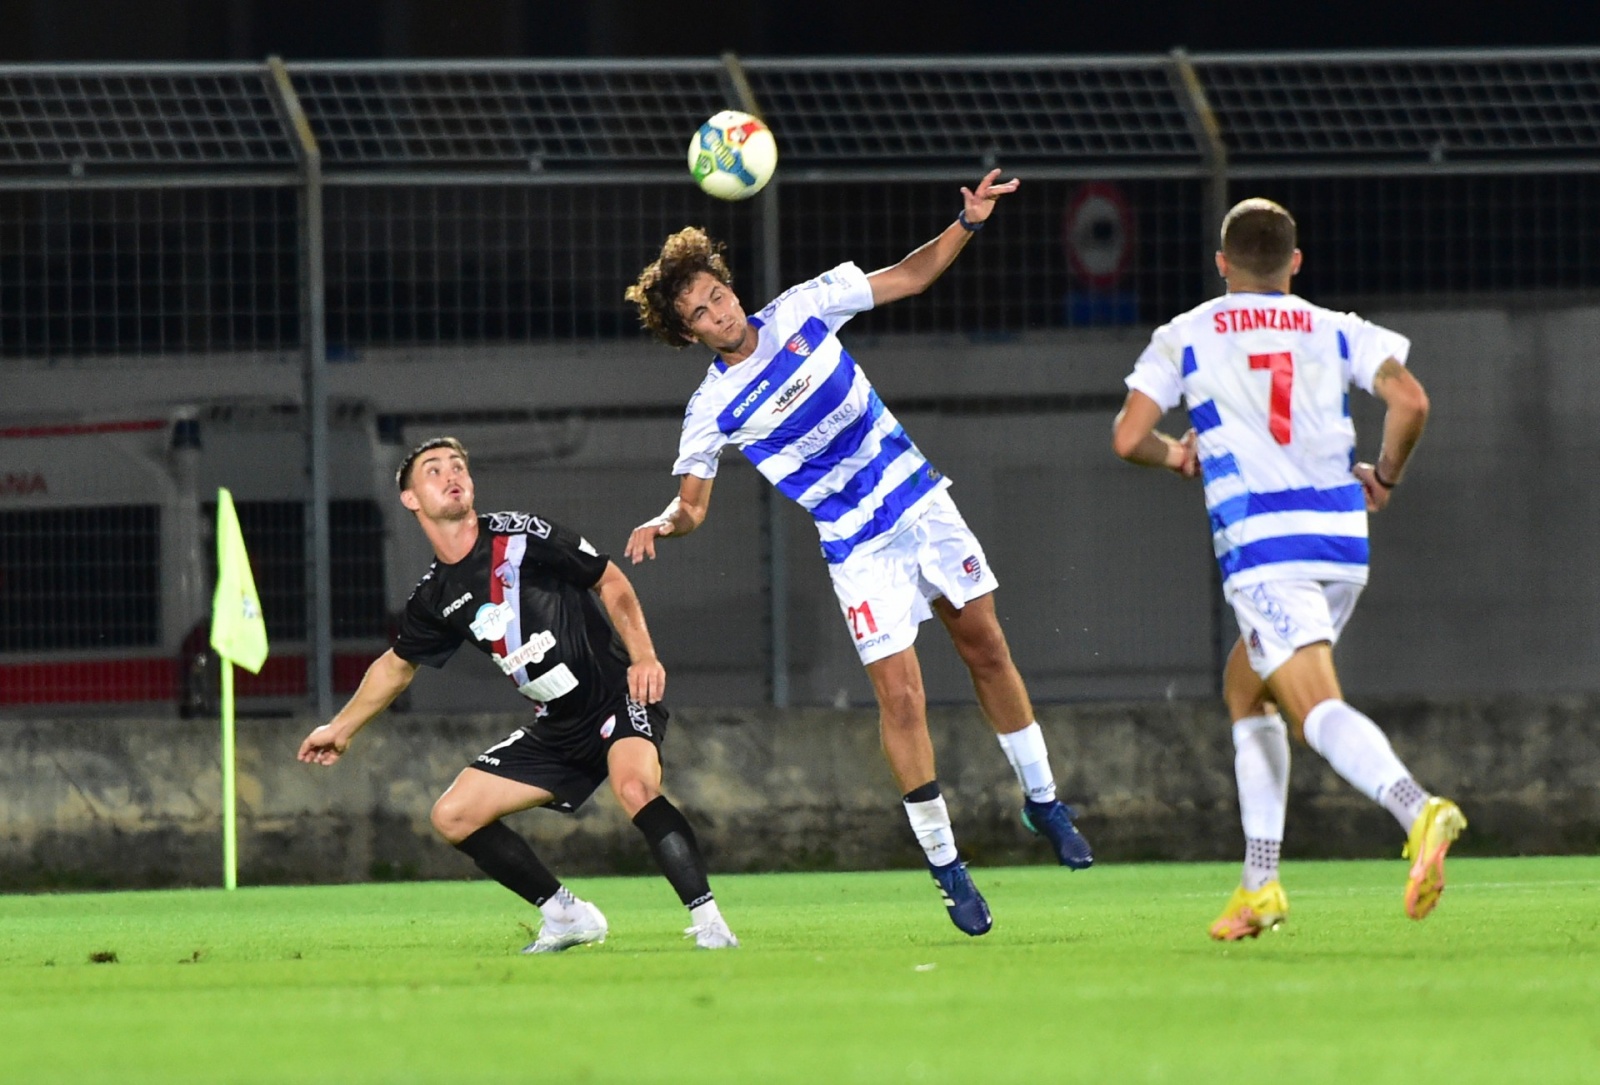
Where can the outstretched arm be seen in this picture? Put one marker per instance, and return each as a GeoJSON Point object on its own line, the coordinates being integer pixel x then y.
{"type": "Point", "coordinates": [1134, 437]}
{"type": "Point", "coordinates": [385, 680]}
{"type": "Point", "coordinates": [687, 512]}
{"type": "Point", "coordinates": [647, 678]}
{"type": "Point", "coordinates": [918, 270]}
{"type": "Point", "coordinates": [1403, 423]}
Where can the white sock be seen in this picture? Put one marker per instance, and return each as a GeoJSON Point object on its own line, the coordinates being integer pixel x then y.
{"type": "Point", "coordinates": [701, 914]}
{"type": "Point", "coordinates": [562, 907]}
{"type": "Point", "coordinates": [1261, 768]}
{"type": "Point", "coordinates": [1030, 760]}
{"type": "Point", "coordinates": [931, 822]}
{"type": "Point", "coordinates": [1358, 750]}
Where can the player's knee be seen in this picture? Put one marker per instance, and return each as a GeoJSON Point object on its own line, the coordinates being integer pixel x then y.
{"type": "Point", "coordinates": [452, 819]}
{"type": "Point", "coordinates": [635, 794]}
{"type": "Point", "coordinates": [987, 654]}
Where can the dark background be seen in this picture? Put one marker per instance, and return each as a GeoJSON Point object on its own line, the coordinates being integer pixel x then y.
{"type": "Point", "coordinates": [57, 30]}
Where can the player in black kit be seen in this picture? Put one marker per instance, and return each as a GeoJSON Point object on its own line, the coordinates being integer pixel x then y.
{"type": "Point", "coordinates": [523, 591]}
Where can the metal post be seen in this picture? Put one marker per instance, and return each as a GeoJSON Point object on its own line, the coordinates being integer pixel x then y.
{"type": "Point", "coordinates": [777, 548]}
{"type": "Point", "coordinates": [1213, 206]}
{"type": "Point", "coordinates": [314, 384]}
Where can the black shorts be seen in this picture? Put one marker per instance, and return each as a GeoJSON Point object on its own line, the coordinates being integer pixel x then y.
{"type": "Point", "coordinates": [569, 760]}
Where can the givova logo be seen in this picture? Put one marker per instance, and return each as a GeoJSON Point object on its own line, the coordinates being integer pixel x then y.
{"type": "Point", "coordinates": [749, 400]}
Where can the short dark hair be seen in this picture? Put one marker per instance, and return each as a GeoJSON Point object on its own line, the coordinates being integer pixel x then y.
{"type": "Point", "coordinates": [685, 254]}
{"type": "Point", "coordinates": [1258, 237]}
{"type": "Point", "coordinates": [402, 477]}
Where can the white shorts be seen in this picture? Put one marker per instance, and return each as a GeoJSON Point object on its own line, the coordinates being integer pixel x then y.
{"type": "Point", "coordinates": [886, 593]}
{"type": "Point", "coordinates": [1279, 617]}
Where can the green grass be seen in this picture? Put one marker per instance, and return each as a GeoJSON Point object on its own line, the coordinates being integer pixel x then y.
{"type": "Point", "coordinates": [1104, 976]}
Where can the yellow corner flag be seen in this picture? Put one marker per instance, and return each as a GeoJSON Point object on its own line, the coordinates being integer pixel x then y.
{"type": "Point", "coordinates": [239, 634]}
{"type": "Point", "coordinates": [238, 631]}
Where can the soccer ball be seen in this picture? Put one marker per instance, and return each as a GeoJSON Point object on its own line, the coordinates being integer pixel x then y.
{"type": "Point", "coordinates": [732, 156]}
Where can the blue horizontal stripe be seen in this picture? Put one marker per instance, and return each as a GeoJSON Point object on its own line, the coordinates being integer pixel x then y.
{"type": "Point", "coordinates": [775, 374]}
{"type": "Point", "coordinates": [1307, 499]}
{"type": "Point", "coordinates": [1217, 467]}
{"type": "Point", "coordinates": [895, 504]}
{"type": "Point", "coordinates": [1339, 549]}
{"type": "Point", "coordinates": [1204, 416]}
{"type": "Point", "coordinates": [864, 481]}
{"type": "Point", "coordinates": [1344, 347]}
{"type": "Point", "coordinates": [817, 407]}
{"type": "Point", "coordinates": [846, 443]}
{"type": "Point", "coordinates": [1189, 365]}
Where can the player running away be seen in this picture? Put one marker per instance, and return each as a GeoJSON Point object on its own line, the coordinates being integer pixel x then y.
{"type": "Point", "coordinates": [1265, 376]}
{"type": "Point", "coordinates": [784, 391]}
{"type": "Point", "coordinates": [523, 591]}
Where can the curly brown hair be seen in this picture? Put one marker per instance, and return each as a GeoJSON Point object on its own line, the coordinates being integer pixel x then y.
{"type": "Point", "coordinates": [683, 256]}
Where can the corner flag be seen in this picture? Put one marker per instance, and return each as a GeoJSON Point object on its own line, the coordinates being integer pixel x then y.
{"type": "Point", "coordinates": [239, 634]}
{"type": "Point", "coordinates": [238, 631]}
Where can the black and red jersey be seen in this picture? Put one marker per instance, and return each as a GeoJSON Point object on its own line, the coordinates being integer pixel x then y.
{"type": "Point", "coordinates": [522, 597]}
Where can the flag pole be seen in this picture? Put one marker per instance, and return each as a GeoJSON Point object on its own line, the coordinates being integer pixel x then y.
{"type": "Point", "coordinates": [230, 827]}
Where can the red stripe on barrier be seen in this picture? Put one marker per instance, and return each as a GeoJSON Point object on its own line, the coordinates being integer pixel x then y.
{"type": "Point", "coordinates": [114, 681]}
{"type": "Point", "coordinates": [81, 429]}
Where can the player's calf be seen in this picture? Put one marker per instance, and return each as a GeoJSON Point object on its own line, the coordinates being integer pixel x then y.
{"type": "Point", "coordinates": [677, 853]}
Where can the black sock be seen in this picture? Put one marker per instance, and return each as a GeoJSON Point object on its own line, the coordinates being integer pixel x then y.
{"type": "Point", "coordinates": [926, 793]}
{"type": "Point", "coordinates": [676, 850]}
{"type": "Point", "coordinates": [507, 858]}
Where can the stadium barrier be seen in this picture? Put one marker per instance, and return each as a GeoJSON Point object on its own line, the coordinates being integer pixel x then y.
{"type": "Point", "coordinates": [102, 803]}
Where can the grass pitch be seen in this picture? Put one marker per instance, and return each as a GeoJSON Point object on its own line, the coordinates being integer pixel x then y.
{"type": "Point", "coordinates": [1103, 976]}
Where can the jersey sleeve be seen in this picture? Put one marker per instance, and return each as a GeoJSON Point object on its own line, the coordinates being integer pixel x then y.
{"type": "Point", "coordinates": [564, 551]}
{"type": "Point", "coordinates": [701, 442]}
{"type": "Point", "coordinates": [842, 293]}
{"type": "Point", "coordinates": [424, 640]}
{"type": "Point", "coordinates": [1370, 345]}
{"type": "Point", "coordinates": [1158, 372]}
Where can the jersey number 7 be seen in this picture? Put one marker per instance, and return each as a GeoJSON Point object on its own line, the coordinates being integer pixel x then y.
{"type": "Point", "coordinates": [1281, 365]}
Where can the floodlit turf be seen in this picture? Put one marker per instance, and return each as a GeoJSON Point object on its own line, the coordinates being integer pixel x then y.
{"type": "Point", "coordinates": [1103, 976]}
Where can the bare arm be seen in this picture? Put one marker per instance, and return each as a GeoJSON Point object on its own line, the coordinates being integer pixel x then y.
{"type": "Point", "coordinates": [1135, 438]}
{"type": "Point", "coordinates": [686, 512]}
{"type": "Point", "coordinates": [647, 678]}
{"type": "Point", "coordinates": [385, 680]}
{"type": "Point", "coordinates": [919, 269]}
{"type": "Point", "coordinates": [1403, 423]}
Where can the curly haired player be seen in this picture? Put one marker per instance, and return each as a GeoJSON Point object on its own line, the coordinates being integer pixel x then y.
{"type": "Point", "coordinates": [784, 391]}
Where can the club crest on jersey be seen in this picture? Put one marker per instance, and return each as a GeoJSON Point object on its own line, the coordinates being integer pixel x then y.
{"type": "Point", "coordinates": [790, 395]}
{"type": "Point", "coordinates": [492, 620]}
{"type": "Point", "coordinates": [506, 573]}
{"type": "Point", "coordinates": [799, 344]}
{"type": "Point", "coordinates": [972, 566]}
{"type": "Point", "coordinates": [607, 727]}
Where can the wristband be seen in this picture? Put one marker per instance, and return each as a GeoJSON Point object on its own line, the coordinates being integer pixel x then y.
{"type": "Point", "coordinates": [1381, 481]}
{"type": "Point", "coordinates": [966, 223]}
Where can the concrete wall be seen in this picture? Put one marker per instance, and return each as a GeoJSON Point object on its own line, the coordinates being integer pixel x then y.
{"type": "Point", "coordinates": [1484, 582]}
{"type": "Point", "coordinates": [103, 802]}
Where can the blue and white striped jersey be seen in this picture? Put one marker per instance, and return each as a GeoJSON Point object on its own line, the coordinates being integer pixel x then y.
{"type": "Point", "coordinates": [803, 412]}
{"type": "Point", "coordinates": [1266, 379]}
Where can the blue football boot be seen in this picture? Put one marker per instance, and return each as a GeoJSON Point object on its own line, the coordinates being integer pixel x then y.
{"type": "Point", "coordinates": [1053, 821]}
{"type": "Point", "coordinates": [967, 908]}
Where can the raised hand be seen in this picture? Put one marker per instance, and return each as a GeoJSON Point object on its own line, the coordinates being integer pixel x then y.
{"type": "Point", "coordinates": [980, 202]}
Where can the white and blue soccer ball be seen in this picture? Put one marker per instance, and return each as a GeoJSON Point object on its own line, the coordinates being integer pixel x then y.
{"type": "Point", "coordinates": [733, 155]}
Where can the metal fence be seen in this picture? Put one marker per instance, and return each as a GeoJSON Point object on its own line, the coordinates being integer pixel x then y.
{"type": "Point", "coordinates": [274, 216]}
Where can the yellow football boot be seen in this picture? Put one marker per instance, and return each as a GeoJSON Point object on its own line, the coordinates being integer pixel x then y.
{"type": "Point", "coordinates": [1435, 829]}
{"type": "Point", "coordinates": [1248, 914]}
